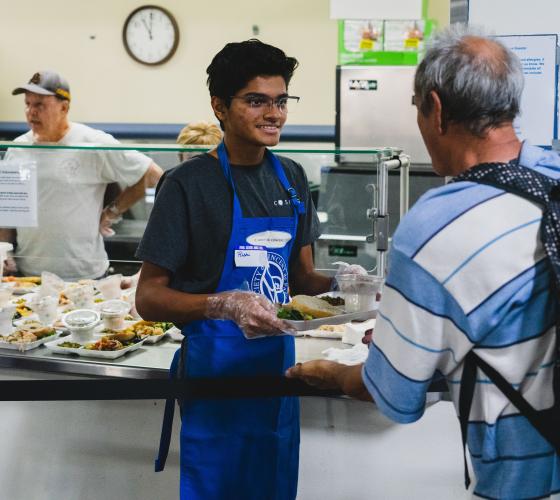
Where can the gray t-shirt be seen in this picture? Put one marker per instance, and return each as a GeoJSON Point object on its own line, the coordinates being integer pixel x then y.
{"type": "Point", "coordinates": [190, 224]}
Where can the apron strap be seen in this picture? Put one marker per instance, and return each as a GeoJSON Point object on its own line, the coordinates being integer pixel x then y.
{"type": "Point", "coordinates": [177, 370]}
{"type": "Point", "coordinates": [298, 205]}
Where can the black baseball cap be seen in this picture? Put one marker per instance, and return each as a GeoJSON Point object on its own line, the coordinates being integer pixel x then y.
{"type": "Point", "coordinates": [46, 83]}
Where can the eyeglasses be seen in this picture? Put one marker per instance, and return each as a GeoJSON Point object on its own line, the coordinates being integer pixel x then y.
{"type": "Point", "coordinates": [262, 102]}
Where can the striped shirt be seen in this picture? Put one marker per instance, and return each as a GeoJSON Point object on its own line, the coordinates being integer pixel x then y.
{"type": "Point", "coordinates": [467, 270]}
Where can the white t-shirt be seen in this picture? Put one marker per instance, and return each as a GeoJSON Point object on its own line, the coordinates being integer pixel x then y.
{"type": "Point", "coordinates": [71, 185]}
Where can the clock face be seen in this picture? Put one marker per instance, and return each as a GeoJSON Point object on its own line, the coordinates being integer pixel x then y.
{"type": "Point", "coordinates": [150, 35]}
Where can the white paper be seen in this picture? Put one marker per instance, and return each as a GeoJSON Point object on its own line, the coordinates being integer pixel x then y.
{"type": "Point", "coordinates": [376, 9]}
{"type": "Point", "coordinates": [537, 53]}
{"type": "Point", "coordinates": [504, 17]}
{"type": "Point", "coordinates": [18, 194]}
{"type": "Point", "coordinates": [247, 257]}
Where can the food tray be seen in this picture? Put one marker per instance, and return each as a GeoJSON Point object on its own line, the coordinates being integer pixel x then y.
{"type": "Point", "coordinates": [175, 334]}
{"type": "Point", "coordinates": [339, 319]}
{"type": "Point", "coordinates": [323, 334]}
{"type": "Point", "coordinates": [153, 339]}
{"type": "Point", "coordinates": [27, 346]}
{"type": "Point", "coordinates": [86, 353]}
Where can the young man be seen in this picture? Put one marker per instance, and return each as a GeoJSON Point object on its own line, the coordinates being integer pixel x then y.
{"type": "Point", "coordinates": [219, 248]}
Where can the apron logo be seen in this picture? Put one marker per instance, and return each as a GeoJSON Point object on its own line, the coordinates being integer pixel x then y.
{"type": "Point", "coordinates": [272, 281]}
{"type": "Point", "coordinates": [270, 239]}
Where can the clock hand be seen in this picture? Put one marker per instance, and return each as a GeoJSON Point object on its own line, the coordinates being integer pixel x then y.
{"type": "Point", "coordinates": [148, 28]}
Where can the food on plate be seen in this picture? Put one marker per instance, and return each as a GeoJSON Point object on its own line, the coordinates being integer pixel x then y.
{"type": "Point", "coordinates": [105, 344]}
{"type": "Point", "coordinates": [292, 314]}
{"type": "Point", "coordinates": [333, 301]}
{"type": "Point", "coordinates": [332, 328]}
{"type": "Point", "coordinates": [312, 306]}
{"type": "Point", "coordinates": [145, 328]}
{"type": "Point", "coordinates": [70, 345]}
{"type": "Point", "coordinates": [62, 299]}
{"type": "Point", "coordinates": [22, 310]}
{"type": "Point", "coordinates": [123, 336]}
{"type": "Point", "coordinates": [35, 280]}
{"type": "Point", "coordinates": [37, 329]}
{"type": "Point", "coordinates": [29, 333]}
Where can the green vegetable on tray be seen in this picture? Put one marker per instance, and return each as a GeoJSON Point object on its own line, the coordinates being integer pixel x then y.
{"type": "Point", "coordinates": [292, 314]}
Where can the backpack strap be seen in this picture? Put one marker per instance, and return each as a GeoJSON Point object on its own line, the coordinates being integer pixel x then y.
{"type": "Point", "coordinates": [545, 191]}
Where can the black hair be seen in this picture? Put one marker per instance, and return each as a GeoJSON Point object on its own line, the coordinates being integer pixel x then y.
{"type": "Point", "coordinates": [238, 63]}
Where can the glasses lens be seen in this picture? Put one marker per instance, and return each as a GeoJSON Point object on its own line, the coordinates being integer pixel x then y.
{"type": "Point", "coordinates": [287, 104]}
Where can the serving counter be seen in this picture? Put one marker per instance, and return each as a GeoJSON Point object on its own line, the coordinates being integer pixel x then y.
{"type": "Point", "coordinates": [105, 449]}
{"type": "Point", "coordinates": [148, 362]}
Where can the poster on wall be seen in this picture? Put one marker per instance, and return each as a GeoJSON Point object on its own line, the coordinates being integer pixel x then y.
{"type": "Point", "coordinates": [363, 35]}
{"type": "Point", "coordinates": [405, 35]}
{"type": "Point", "coordinates": [18, 194]}
{"type": "Point", "coordinates": [538, 118]}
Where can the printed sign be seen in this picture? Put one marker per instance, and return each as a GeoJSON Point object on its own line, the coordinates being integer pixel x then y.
{"type": "Point", "coordinates": [18, 194]}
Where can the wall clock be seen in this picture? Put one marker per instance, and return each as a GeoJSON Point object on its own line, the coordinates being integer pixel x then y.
{"type": "Point", "coordinates": [150, 35]}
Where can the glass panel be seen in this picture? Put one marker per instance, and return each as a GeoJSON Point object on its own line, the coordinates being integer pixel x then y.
{"type": "Point", "coordinates": [53, 197]}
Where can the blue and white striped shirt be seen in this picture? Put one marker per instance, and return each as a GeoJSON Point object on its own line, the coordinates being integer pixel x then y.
{"type": "Point", "coordinates": [467, 270]}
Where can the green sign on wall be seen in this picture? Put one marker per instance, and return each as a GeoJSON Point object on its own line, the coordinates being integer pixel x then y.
{"type": "Point", "coordinates": [382, 42]}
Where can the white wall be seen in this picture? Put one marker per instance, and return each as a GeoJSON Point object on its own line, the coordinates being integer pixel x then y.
{"type": "Point", "coordinates": [82, 40]}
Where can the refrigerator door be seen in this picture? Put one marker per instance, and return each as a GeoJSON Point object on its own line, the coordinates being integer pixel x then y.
{"type": "Point", "coordinates": [374, 108]}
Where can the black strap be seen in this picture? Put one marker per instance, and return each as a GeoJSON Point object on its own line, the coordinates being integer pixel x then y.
{"type": "Point", "coordinates": [545, 191]}
{"type": "Point", "coordinates": [468, 382]}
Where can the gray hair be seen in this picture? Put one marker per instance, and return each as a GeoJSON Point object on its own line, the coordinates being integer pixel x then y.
{"type": "Point", "coordinates": [479, 85]}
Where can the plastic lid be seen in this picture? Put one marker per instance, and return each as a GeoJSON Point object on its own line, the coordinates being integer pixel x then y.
{"type": "Point", "coordinates": [81, 318]}
{"type": "Point", "coordinates": [114, 307]}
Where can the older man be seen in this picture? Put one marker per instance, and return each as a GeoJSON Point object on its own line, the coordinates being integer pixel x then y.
{"type": "Point", "coordinates": [468, 273]}
{"type": "Point", "coordinates": [71, 183]}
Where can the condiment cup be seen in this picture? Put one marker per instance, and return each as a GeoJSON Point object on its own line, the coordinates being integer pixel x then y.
{"type": "Point", "coordinates": [113, 313]}
{"type": "Point", "coordinates": [81, 323]}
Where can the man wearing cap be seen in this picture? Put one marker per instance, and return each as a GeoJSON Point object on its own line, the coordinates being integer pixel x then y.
{"type": "Point", "coordinates": [71, 184]}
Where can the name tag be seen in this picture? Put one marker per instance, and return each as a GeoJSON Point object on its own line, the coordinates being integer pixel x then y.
{"type": "Point", "coordinates": [251, 256]}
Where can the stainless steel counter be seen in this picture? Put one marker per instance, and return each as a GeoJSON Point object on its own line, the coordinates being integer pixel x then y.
{"type": "Point", "coordinates": [148, 362]}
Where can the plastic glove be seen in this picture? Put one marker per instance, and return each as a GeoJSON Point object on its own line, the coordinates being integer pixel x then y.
{"type": "Point", "coordinates": [344, 268]}
{"type": "Point", "coordinates": [253, 313]}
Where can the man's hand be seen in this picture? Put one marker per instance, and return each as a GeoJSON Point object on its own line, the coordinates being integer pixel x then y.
{"type": "Point", "coordinates": [10, 266]}
{"type": "Point", "coordinates": [319, 373]}
{"type": "Point", "coordinates": [107, 219]}
{"type": "Point", "coordinates": [330, 375]}
{"type": "Point", "coordinates": [253, 313]}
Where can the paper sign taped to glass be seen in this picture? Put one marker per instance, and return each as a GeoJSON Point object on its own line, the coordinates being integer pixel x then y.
{"type": "Point", "coordinates": [18, 193]}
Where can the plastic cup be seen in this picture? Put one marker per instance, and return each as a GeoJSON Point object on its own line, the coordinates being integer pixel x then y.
{"type": "Point", "coordinates": [361, 292]}
{"type": "Point", "coordinates": [6, 292]}
{"type": "Point", "coordinates": [47, 309]}
{"type": "Point", "coordinates": [6, 315]}
{"type": "Point", "coordinates": [81, 324]}
{"type": "Point", "coordinates": [113, 313]}
{"type": "Point", "coordinates": [51, 285]}
{"type": "Point", "coordinates": [81, 295]}
{"type": "Point", "coordinates": [110, 287]}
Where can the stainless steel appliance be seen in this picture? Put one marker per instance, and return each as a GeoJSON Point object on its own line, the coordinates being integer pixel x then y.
{"type": "Point", "coordinates": [374, 108]}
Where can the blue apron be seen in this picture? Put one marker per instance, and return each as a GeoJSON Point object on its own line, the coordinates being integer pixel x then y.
{"type": "Point", "coordinates": [244, 448]}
